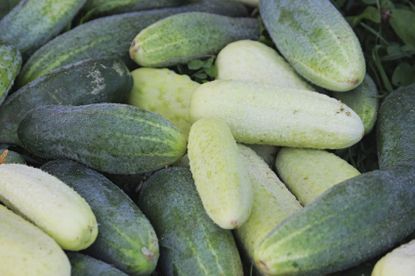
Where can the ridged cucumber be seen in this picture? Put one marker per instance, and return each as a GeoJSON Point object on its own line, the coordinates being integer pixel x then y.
{"type": "Point", "coordinates": [126, 238]}
{"type": "Point", "coordinates": [164, 92]}
{"type": "Point", "coordinates": [32, 23]}
{"type": "Point", "coordinates": [112, 138]}
{"type": "Point", "coordinates": [183, 37]}
{"type": "Point", "coordinates": [248, 60]}
{"type": "Point", "coordinates": [309, 173]}
{"type": "Point", "coordinates": [401, 261]}
{"type": "Point", "coordinates": [6, 6]}
{"type": "Point", "coordinates": [219, 173]}
{"type": "Point", "coordinates": [86, 82]}
{"type": "Point", "coordinates": [190, 243]}
{"type": "Point", "coordinates": [26, 250]}
{"type": "Point", "coordinates": [84, 265]}
{"type": "Point", "coordinates": [10, 63]}
{"type": "Point", "coordinates": [10, 157]}
{"type": "Point", "coordinates": [50, 204]}
{"type": "Point", "coordinates": [316, 40]}
{"type": "Point", "coordinates": [265, 114]}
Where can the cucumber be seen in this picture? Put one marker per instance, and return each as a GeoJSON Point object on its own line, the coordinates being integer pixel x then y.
{"type": "Point", "coordinates": [6, 6]}
{"type": "Point", "coordinates": [265, 114]}
{"type": "Point", "coordinates": [219, 173]}
{"type": "Point", "coordinates": [32, 23]}
{"type": "Point", "coordinates": [10, 63]}
{"type": "Point", "coordinates": [26, 250]}
{"type": "Point", "coordinates": [364, 100]}
{"type": "Point", "coordinates": [183, 37]}
{"type": "Point", "coordinates": [85, 265]}
{"type": "Point", "coordinates": [309, 173]}
{"type": "Point", "coordinates": [126, 238]}
{"type": "Point", "coordinates": [396, 128]}
{"type": "Point", "coordinates": [50, 204]}
{"type": "Point", "coordinates": [86, 82]}
{"type": "Point", "coordinates": [401, 261]}
{"type": "Point", "coordinates": [350, 223]}
{"type": "Point", "coordinates": [164, 92]}
{"type": "Point", "coordinates": [190, 243]}
{"type": "Point", "coordinates": [10, 157]}
{"type": "Point", "coordinates": [317, 41]}
{"type": "Point", "coordinates": [112, 138]}
{"type": "Point", "coordinates": [248, 60]}
{"type": "Point", "coordinates": [267, 153]}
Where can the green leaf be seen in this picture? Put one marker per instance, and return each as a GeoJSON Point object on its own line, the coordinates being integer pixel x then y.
{"type": "Point", "coordinates": [403, 23]}
{"type": "Point", "coordinates": [370, 13]}
{"type": "Point", "coordinates": [404, 74]}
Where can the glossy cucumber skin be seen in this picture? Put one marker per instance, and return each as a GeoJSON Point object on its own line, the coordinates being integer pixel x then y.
{"type": "Point", "coordinates": [183, 37]}
{"type": "Point", "coordinates": [112, 138]}
{"type": "Point", "coordinates": [10, 63]}
{"type": "Point", "coordinates": [190, 243]}
{"type": "Point", "coordinates": [85, 82]}
{"type": "Point", "coordinates": [316, 40]}
{"type": "Point", "coordinates": [126, 238]}
{"type": "Point", "coordinates": [32, 23]}
{"type": "Point", "coordinates": [87, 266]}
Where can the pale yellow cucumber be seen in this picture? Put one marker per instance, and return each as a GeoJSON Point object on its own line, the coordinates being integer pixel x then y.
{"type": "Point", "coordinates": [399, 262]}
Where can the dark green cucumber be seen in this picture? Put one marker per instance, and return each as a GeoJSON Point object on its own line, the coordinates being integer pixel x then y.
{"type": "Point", "coordinates": [86, 82]}
{"type": "Point", "coordinates": [396, 128]}
{"type": "Point", "coordinates": [112, 138]}
{"type": "Point", "coordinates": [84, 265]}
{"type": "Point", "coordinates": [32, 23]}
{"type": "Point", "coordinates": [10, 63]}
{"type": "Point", "coordinates": [190, 243]}
{"type": "Point", "coordinates": [6, 6]}
{"type": "Point", "coordinates": [126, 238]}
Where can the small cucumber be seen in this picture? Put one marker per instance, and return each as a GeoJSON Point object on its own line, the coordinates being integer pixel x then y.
{"type": "Point", "coordinates": [219, 173]}
{"type": "Point", "coordinates": [10, 63]}
{"type": "Point", "coordinates": [183, 37]}
{"type": "Point", "coordinates": [84, 265]}
{"type": "Point", "coordinates": [401, 261]}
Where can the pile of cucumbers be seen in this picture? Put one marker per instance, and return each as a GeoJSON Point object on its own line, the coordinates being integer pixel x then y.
{"type": "Point", "coordinates": [112, 162]}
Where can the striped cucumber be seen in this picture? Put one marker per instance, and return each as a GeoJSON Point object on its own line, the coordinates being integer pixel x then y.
{"type": "Point", "coordinates": [190, 243]}
{"type": "Point", "coordinates": [183, 37]}
{"type": "Point", "coordinates": [86, 82]}
{"type": "Point", "coordinates": [126, 238]}
{"type": "Point", "coordinates": [10, 157]}
{"type": "Point", "coordinates": [84, 265]}
{"type": "Point", "coordinates": [10, 63]}
{"type": "Point", "coordinates": [265, 114]}
{"type": "Point", "coordinates": [112, 138]}
{"type": "Point", "coordinates": [401, 261]}
{"type": "Point", "coordinates": [50, 204]}
{"type": "Point", "coordinates": [309, 173]}
{"type": "Point", "coordinates": [32, 23]}
{"type": "Point", "coordinates": [219, 173]}
{"type": "Point", "coordinates": [316, 40]}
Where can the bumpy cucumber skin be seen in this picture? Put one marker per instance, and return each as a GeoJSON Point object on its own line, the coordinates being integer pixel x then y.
{"type": "Point", "coordinates": [190, 243]}
{"type": "Point", "coordinates": [396, 128]}
{"type": "Point", "coordinates": [126, 238]}
{"type": "Point", "coordinates": [10, 63]}
{"type": "Point", "coordinates": [347, 225]}
{"type": "Point", "coordinates": [85, 82]}
{"type": "Point", "coordinates": [32, 23]}
{"type": "Point", "coordinates": [87, 266]}
{"type": "Point", "coordinates": [317, 41]}
{"type": "Point", "coordinates": [183, 37]}
{"type": "Point", "coordinates": [364, 100]}
{"type": "Point", "coordinates": [26, 250]}
{"type": "Point", "coordinates": [112, 138]}
{"type": "Point", "coordinates": [265, 114]}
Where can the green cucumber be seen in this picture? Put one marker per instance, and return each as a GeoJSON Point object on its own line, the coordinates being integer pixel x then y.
{"type": "Point", "coordinates": [32, 23]}
{"type": "Point", "coordinates": [6, 6]}
{"type": "Point", "coordinates": [112, 138]}
{"type": "Point", "coordinates": [183, 37]}
{"type": "Point", "coordinates": [10, 157]}
{"type": "Point", "coordinates": [10, 63]}
{"type": "Point", "coordinates": [396, 128]}
{"type": "Point", "coordinates": [317, 41]}
{"type": "Point", "coordinates": [190, 243]}
{"type": "Point", "coordinates": [264, 114]}
{"type": "Point", "coordinates": [364, 100]}
{"type": "Point", "coordinates": [84, 265]}
{"type": "Point", "coordinates": [352, 222]}
{"type": "Point", "coordinates": [86, 82]}
{"type": "Point", "coordinates": [126, 238]}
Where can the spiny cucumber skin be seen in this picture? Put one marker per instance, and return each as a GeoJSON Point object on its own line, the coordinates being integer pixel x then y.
{"type": "Point", "coordinates": [317, 41]}
{"type": "Point", "coordinates": [32, 23]}
{"type": "Point", "coordinates": [85, 82]}
{"type": "Point", "coordinates": [183, 37]}
{"type": "Point", "coordinates": [10, 63]}
{"type": "Point", "coordinates": [112, 138]}
{"type": "Point", "coordinates": [87, 266]}
{"type": "Point", "coordinates": [190, 243]}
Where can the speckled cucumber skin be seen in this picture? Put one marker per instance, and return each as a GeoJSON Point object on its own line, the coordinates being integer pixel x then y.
{"type": "Point", "coordinates": [126, 238]}
{"type": "Point", "coordinates": [316, 40]}
{"type": "Point", "coordinates": [190, 243]}
{"type": "Point", "coordinates": [32, 23]}
{"type": "Point", "coordinates": [84, 265]}
{"type": "Point", "coordinates": [85, 82]}
{"type": "Point", "coordinates": [112, 138]}
{"type": "Point", "coordinates": [183, 37]}
{"type": "Point", "coordinates": [10, 63]}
